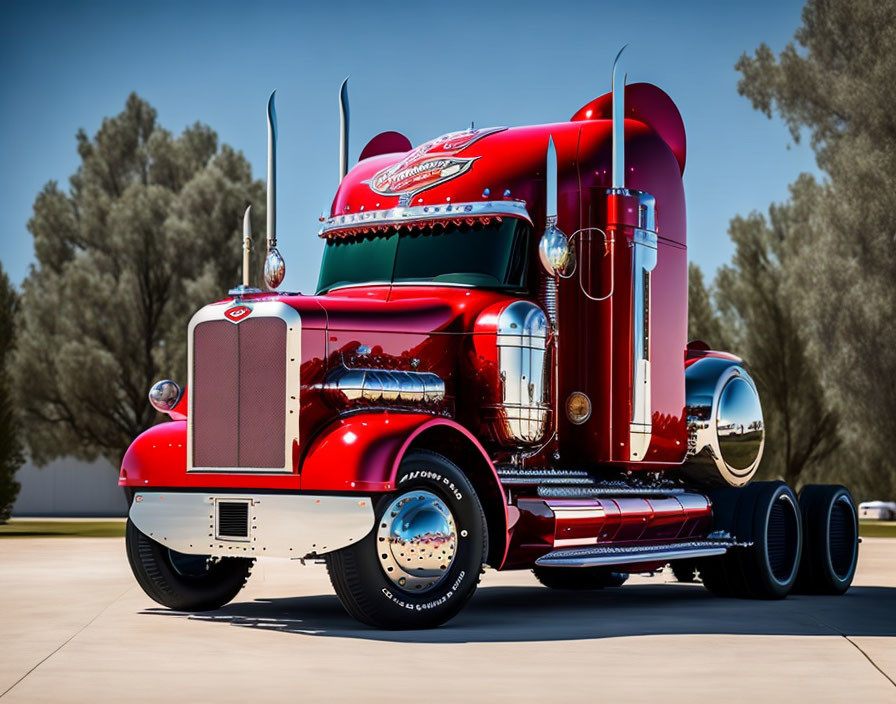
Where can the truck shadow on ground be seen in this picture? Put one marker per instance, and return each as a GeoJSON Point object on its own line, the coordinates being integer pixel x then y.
{"type": "Point", "coordinates": [516, 614]}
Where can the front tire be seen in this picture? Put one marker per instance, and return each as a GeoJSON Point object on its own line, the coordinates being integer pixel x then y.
{"type": "Point", "coordinates": [184, 582]}
{"type": "Point", "coordinates": [422, 561]}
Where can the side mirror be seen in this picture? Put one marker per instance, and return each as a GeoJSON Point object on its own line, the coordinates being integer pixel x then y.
{"type": "Point", "coordinates": [555, 252]}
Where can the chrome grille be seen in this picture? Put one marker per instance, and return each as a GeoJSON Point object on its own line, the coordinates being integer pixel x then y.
{"type": "Point", "coordinates": [242, 416]}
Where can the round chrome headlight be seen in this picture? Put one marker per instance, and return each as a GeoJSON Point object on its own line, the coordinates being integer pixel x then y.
{"type": "Point", "coordinates": [164, 395]}
{"type": "Point", "coordinates": [578, 407]}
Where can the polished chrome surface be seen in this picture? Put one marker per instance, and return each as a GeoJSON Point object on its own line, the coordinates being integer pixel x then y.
{"type": "Point", "coordinates": [164, 395]}
{"type": "Point", "coordinates": [644, 253]}
{"type": "Point", "coordinates": [245, 287]}
{"type": "Point", "coordinates": [281, 525]}
{"type": "Point", "coordinates": [274, 268]}
{"type": "Point", "coordinates": [726, 434]}
{"type": "Point", "coordinates": [739, 424]}
{"type": "Point", "coordinates": [346, 386]}
{"type": "Point", "coordinates": [343, 129]}
{"type": "Point", "coordinates": [594, 556]}
{"type": "Point", "coordinates": [522, 332]}
{"type": "Point", "coordinates": [292, 353]}
{"type": "Point", "coordinates": [548, 297]}
{"type": "Point", "coordinates": [272, 172]}
{"type": "Point", "coordinates": [403, 215]}
{"type": "Point", "coordinates": [618, 170]}
{"type": "Point", "coordinates": [416, 541]}
{"type": "Point", "coordinates": [247, 243]}
{"type": "Point", "coordinates": [554, 252]}
{"type": "Point", "coordinates": [551, 181]}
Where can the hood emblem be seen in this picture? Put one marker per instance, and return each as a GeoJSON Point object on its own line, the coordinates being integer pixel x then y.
{"type": "Point", "coordinates": [429, 164]}
{"type": "Point", "coordinates": [237, 313]}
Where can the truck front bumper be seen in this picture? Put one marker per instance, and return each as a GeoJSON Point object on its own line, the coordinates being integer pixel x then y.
{"type": "Point", "coordinates": [268, 525]}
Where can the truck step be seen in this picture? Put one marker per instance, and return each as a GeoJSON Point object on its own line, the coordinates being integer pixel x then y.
{"type": "Point", "coordinates": [598, 555]}
{"type": "Point", "coordinates": [606, 491]}
{"type": "Point", "coordinates": [511, 476]}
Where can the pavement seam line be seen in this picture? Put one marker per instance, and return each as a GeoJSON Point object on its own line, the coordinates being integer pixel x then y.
{"type": "Point", "coordinates": [65, 643]}
{"type": "Point", "coordinates": [868, 658]}
{"type": "Point", "coordinates": [857, 647]}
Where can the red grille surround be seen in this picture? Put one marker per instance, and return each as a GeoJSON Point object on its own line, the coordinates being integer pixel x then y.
{"type": "Point", "coordinates": [238, 394]}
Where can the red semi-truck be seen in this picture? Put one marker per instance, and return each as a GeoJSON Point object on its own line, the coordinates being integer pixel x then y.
{"type": "Point", "coordinates": [495, 371]}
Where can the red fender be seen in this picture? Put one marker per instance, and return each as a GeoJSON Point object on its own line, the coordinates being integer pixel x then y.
{"type": "Point", "coordinates": [362, 452]}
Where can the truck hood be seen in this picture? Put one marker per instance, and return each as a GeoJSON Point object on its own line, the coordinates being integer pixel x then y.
{"type": "Point", "coordinates": [405, 309]}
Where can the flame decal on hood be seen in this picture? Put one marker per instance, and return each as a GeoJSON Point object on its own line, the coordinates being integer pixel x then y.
{"type": "Point", "coordinates": [429, 164]}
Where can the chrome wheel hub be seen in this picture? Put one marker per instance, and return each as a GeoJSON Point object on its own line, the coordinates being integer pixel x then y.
{"type": "Point", "coordinates": [416, 541]}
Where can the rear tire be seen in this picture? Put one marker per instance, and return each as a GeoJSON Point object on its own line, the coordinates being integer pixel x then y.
{"type": "Point", "coordinates": [767, 515]}
{"type": "Point", "coordinates": [579, 578]}
{"type": "Point", "coordinates": [831, 540]}
{"type": "Point", "coordinates": [434, 516]}
{"type": "Point", "coordinates": [184, 582]}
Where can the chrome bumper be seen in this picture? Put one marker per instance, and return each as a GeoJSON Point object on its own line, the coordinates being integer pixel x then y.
{"type": "Point", "coordinates": [268, 525]}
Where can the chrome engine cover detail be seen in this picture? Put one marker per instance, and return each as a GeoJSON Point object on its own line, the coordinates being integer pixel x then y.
{"type": "Point", "coordinates": [416, 541]}
{"type": "Point", "coordinates": [726, 434]}
{"type": "Point", "coordinates": [346, 386]}
{"type": "Point", "coordinates": [522, 332]}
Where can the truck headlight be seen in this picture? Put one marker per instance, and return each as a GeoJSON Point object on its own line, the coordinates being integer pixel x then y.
{"type": "Point", "coordinates": [164, 395]}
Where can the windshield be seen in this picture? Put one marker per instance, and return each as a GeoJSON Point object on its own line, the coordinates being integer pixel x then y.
{"type": "Point", "coordinates": [488, 256]}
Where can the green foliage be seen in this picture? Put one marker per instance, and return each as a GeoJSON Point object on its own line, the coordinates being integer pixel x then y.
{"type": "Point", "coordinates": [835, 83]}
{"type": "Point", "coordinates": [148, 233]}
{"type": "Point", "coordinates": [11, 456]}
{"type": "Point", "coordinates": [764, 326]}
{"type": "Point", "coordinates": [703, 322]}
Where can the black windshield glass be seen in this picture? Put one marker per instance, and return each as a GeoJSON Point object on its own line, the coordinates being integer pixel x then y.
{"type": "Point", "coordinates": [490, 256]}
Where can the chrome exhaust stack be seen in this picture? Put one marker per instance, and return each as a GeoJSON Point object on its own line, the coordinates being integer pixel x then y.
{"type": "Point", "coordinates": [274, 266]}
{"type": "Point", "coordinates": [618, 90]}
{"type": "Point", "coordinates": [343, 129]}
{"type": "Point", "coordinates": [246, 286]}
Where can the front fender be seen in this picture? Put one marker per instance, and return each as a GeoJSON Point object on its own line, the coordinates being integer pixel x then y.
{"type": "Point", "coordinates": [157, 457]}
{"type": "Point", "coordinates": [362, 453]}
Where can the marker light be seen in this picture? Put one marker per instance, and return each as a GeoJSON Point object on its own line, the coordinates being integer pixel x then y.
{"type": "Point", "coordinates": [578, 408]}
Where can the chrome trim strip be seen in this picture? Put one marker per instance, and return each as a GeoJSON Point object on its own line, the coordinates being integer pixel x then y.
{"type": "Point", "coordinates": [280, 525]}
{"type": "Point", "coordinates": [404, 214]}
{"type": "Point", "coordinates": [269, 309]}
{"type": "Point", "coordinates": [644, 257]}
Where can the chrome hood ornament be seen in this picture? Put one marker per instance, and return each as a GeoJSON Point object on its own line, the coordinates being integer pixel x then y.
{"type": "Point", "coordinates": [274, 266]}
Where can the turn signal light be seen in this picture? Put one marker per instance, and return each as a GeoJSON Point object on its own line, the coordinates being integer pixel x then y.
{"type": "Point", "coordinates": [578, 408]}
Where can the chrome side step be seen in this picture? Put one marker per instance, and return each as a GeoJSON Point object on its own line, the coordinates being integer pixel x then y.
{"type": "Point", "coordinates": [606, 491]}
{"type": "Point", "coordinates": [596, 556]}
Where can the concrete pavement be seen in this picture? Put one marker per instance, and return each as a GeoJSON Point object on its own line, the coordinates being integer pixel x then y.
{"type": "Point", "coordinates": [75, 627]}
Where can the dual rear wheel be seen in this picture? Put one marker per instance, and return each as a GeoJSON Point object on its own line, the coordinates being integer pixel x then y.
{"type": "Point", "coordinates": [808, 544]}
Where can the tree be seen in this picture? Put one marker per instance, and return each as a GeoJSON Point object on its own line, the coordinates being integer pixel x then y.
{"type": "Point", "coordinates": [11, 456]}
{"type": "Point", "coordinates": [148, 233]}
{"type": "Point", "coordinates": [835, 84]}
{"type": "Point", "coordinates": [763, 326]}
{"type": "Point", "coordinates": [703, 323]}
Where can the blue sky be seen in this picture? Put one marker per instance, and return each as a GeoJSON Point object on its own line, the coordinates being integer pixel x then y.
{"type": "Point", "coordinates": [420, 68]}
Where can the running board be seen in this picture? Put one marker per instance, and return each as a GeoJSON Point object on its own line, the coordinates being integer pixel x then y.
{"type": "Point", "coordinates": [596, 556]}
{"type": "Point", "coordinates": [605, 491]}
